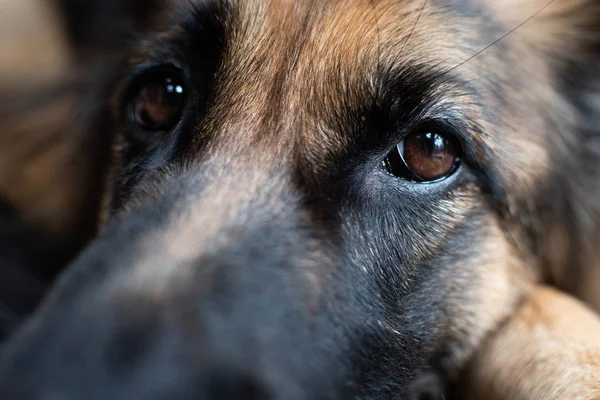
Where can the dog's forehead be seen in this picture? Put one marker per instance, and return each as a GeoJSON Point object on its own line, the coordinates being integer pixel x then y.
{"type": "Point", "coordinates": [308, 71]}
{"type": "Point", "coordinates": [310, 61]}
{"type": "Point", "coordinates": [312, 41]}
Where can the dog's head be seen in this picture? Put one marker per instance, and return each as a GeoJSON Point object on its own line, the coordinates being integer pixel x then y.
{"type": "Point", "coordinates": [320, 199]}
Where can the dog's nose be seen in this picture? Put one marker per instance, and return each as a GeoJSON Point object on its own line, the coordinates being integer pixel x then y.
{"type": "Point", "coordinates": [236, 386]}
{"type": "Point", "coordinates": [159, 349]}
{"type": "Point", "coordinates": [228, 331]}
{"type": "Point", "coordinates": [220, 385]}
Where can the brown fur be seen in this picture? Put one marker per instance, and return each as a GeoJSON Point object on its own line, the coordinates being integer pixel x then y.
{"type": "Point", "coordinates": [283, 77]}
{"type": "Point", "coordinates": [337, 49]}
{"type": "Point", "coordinates": [280, 88]}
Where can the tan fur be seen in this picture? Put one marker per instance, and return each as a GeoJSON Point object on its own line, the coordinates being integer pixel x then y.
{"type": "Point", "coordinates": [284, 77]}
{"type": "Point", "coordinates": [560, 27]}
{"type": "Point", "coordinates": [491, 296]}
{"type": "Point", "coordinates": [549, 349]}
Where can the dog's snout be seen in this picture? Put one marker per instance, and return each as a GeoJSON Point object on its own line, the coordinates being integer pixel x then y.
{"type": "Point", "coordinates": [205, 307]}
{"type": "Point", "coordinates": [230, 344]}
{"type": "Point", "coordinates": [219, 387]}
{"type": "Point", "coordinates": [223, 384]}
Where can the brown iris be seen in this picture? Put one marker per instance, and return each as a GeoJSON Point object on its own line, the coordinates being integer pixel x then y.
{"type": "Point", "coordinates": [423, 157]}
{"type": "Point", "coordinates": [158, 103]}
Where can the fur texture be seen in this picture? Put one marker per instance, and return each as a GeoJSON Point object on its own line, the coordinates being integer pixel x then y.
{"type": "Point", "coordinates": [549, 349]}
{"type": "Point", "coordinates": [258, 246]}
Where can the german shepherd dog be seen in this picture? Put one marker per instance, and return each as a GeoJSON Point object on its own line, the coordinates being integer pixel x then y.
{"type": "Point", "coordinates": [295, 199]}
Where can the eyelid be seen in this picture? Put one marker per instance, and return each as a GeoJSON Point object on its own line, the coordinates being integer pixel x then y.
{"type": "Point", "coordinates": [137, 74]}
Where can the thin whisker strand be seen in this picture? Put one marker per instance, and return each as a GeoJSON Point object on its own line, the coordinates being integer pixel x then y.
{"type": "Point", "coordinates": [413, 28]}
{"type": "Point", "coordinates": [500, 39]}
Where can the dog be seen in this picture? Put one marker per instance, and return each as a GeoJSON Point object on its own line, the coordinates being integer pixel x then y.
{"type": "Point", "coordinates": [305, 199]}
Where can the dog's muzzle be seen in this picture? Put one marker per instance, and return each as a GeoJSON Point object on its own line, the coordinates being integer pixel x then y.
{"type": "Point", "coordinates": [211, 290]}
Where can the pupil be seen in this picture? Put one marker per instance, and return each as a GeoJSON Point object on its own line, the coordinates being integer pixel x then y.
{"type": "Point", "coordinates": [145, 118]}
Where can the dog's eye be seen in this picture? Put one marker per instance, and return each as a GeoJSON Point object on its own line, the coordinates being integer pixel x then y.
{"type": "Point", "coordinates": [158, 102]}
{"type": "Point", "coordinates": [426, 156]}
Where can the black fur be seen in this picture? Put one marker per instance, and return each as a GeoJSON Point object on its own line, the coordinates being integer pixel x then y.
{"type": "Point", "coordinates": [241, 262]}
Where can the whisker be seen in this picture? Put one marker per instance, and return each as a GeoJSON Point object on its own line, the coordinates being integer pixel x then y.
{"type": "Point", "coordinates": [499, 39]}
{"type": "Point", "coordinates": [413, 28]}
